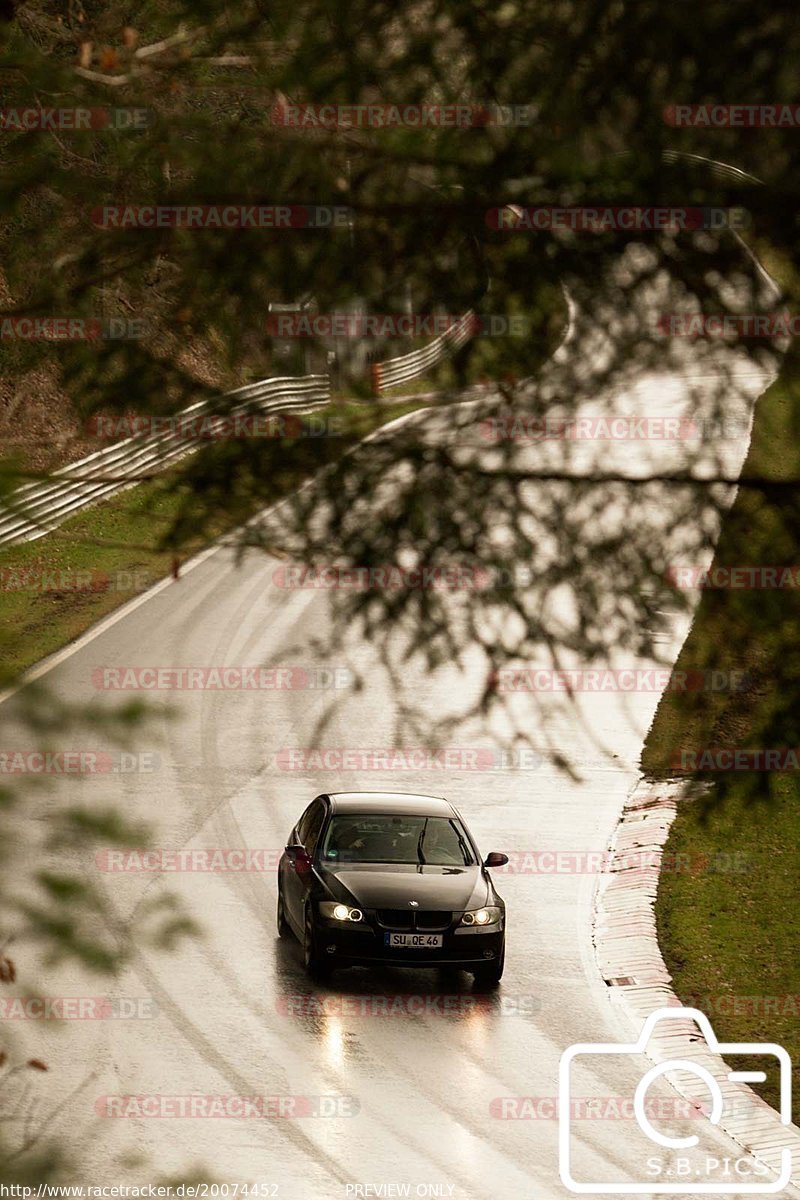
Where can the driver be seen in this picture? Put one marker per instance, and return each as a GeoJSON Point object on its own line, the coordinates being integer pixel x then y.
{"type": "Point", "coordinates": [348, 838]}
{"type": "Point", "coordinates": [440, 846]}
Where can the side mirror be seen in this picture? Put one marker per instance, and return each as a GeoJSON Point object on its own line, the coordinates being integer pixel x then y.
{"type": "Point", "coordinates": [496, 859]}
{"type": "Point", "coordinates": [300, 859]}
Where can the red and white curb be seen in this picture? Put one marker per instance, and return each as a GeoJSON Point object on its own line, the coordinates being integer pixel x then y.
{"type": "Point", "coordinates": [630, 962]}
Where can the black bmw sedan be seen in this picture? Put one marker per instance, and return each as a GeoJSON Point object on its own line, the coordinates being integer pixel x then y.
{"type": "Point", "coordinates": [371, 878]}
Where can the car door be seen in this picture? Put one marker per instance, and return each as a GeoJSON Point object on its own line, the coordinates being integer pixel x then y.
{"type": "Point", "coordinates": [296, 882]}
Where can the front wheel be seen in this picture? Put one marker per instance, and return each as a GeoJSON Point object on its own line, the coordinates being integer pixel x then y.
{"type": "Point", "coordinates": [489, 976]}
{"type": "Point", "coordinates": [316, 966]}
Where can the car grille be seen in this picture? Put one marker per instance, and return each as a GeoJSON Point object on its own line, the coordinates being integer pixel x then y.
{"type": "Point", "coordinates": [410, 918]}
{"type": "Point", "coordinates": [396, 918]}
{"type": "Point", "coordinates": [433, 920]}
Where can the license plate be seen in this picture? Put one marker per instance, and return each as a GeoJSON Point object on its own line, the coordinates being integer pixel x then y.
{"type": "Point", "coordinates": [414, 941]}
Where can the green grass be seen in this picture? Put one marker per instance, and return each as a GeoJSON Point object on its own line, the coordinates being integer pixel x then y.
{"type": "Point", "coordinates": [736, 935]}
{"type": "Point", "coordinates": [116, 539]}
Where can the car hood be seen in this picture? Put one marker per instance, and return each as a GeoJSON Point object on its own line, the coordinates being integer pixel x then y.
{"type": "Point", "coordinates": [380, 886]}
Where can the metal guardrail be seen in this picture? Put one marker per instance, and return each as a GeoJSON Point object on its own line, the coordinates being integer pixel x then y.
{"type": "Point", "coordinates": [36, 508]}
{"type": "Point", "coordinates": [409, 366]}
{"type": "Point", "coordinates": [720, 170]}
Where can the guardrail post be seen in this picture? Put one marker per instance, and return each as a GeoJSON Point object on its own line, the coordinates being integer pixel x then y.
{"type": "Point", "coordinates": [375, 375]}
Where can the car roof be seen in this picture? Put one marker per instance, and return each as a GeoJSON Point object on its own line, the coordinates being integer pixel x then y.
{"type": "Point", "coordinates": [392, 803]}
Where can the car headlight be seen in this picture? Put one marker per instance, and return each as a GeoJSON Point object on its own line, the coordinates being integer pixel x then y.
{"type": "Point", "coordinates": [335, 911]}
{"type": "Point", "coordinates": [481, 916]}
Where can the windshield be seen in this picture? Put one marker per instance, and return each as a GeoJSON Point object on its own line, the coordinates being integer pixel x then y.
{"type": "Point", "coordinates": [434, 841]}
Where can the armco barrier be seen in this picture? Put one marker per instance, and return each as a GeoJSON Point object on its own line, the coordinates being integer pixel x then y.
{"type": "Point", "coordinates": [33, 510]}
{"type": "Point", "coordinates": [36, 508]}
{"type": "Point", "coordinates": [409, 366]}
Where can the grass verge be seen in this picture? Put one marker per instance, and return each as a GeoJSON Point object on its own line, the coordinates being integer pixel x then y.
{"type": "Point", "coordinates": [730, 939]}
{"type": "Point", "coordinates": [730, 936]}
